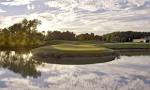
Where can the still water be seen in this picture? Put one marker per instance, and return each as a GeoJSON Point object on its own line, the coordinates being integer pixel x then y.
{"type": "Point", "coordinates": [19, 71]}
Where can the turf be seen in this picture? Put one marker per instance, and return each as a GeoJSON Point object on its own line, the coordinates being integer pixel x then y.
{"type": "Point", "coordinates": [126, 45]}
{"type": "Point", "coordinates": [73, 54]}
{"type": "Point", "coordinates": [71, 50]}
{"type": "Point", "coordinates": [72, 47]}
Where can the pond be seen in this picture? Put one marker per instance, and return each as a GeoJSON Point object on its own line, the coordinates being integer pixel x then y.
{"type": "Point", "coordinates": [127, 72]}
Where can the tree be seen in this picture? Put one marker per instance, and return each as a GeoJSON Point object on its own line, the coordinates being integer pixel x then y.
{"type": "Point", "coordinates": [87, 36]}
{"type": "Point", "coordinates": [68, 35]}
{"type": "Point", "coordinates": [57, 35]}
{"type": "Point", "coordinates": [127, 36]}
{"type": "Point", "coordinates": [23, 34]}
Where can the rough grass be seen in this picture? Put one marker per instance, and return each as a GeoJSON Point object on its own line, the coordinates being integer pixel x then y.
{"type": "Point", "coordinates": [126, 45]}
{"type": "Point", "coordinates": [104, 45]}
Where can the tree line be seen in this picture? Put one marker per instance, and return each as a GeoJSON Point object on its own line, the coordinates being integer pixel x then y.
{"type": "Point", "coordinates": [25, 34]}
{"type": "Point", "coordinates": [70, 36]}
{"type": "Point", "coordinates": [127, 36]}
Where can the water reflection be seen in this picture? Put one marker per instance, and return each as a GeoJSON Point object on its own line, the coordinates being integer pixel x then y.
{"type": "Point", "coordinates": [21, 63]}
{"type": "Point", "coordinates": [75, 60]}
{"type": "Point", "coordinates": [126, 73]}
{"type": "Point", "coordinates": [26, 64]}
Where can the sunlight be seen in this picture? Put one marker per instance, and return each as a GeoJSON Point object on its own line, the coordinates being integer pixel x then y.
{"type": "Point", "coordinates": [30, 55]}
{"type": "Point", "coordinates": [13, 53]}
{"type": "Point", "coordinates": [24, 56]}
{"type": "Point", "coordinates": [75, 44]}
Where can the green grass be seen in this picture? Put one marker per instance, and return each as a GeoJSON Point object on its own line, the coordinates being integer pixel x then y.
{"type": "Point", "coordinates": [85, 48]}
{"type": "Point", "coordinates": [102, 45]}
{"type": "Point", "coordinates": [73, 54]}
{"type": "Point", "coordinates": [71, 50]}
{"type": "Point", "coordinates": [73, 47]}
{"type": "Point", "coordinates": [126, 45]}
{"type": "Point", "coordinates": [82, 49]}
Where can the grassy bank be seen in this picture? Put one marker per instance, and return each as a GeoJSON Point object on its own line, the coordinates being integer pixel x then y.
{"type": "Point", "coordinates": [78, 48]}
{"type": "Point", "coordinates": [73, 54]}
{"type": "Point", "coordinates": [84, 52]}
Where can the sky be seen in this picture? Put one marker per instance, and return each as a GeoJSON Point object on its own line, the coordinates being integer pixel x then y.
{"type": "Point", "coordinates": [79, 16]}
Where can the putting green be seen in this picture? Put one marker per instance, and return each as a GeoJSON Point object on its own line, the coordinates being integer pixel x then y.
{"type": "Point", "coordinates": [72, 47]}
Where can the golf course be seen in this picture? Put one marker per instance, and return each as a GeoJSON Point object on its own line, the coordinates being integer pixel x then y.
{"type": "Point", "coordinates": [84, 52]}
{"type": "Point", "coordinates": [74, 53]}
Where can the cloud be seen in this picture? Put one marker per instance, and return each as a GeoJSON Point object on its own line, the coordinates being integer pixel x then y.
{"type": "Point", "coordinates": [30, 7]}
{"type": "Point", "coordinates": [94, 5]}
{"type": "Point", "coordinates": [6, 21]}
{"type": "Point", "coordinates": [80, 16]}
{"type": "Point", "coordinates": [1, 11]}
{"type": "Point", "coordinates": [65, 5]}
{"type": "Point", "coordinates": [17, 2]}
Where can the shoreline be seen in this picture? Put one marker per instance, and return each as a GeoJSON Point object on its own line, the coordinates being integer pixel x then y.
{"type": "Point", "coordinates": [91, 59]}
{"type": "Point", "coordinates": [76, 60]}
{"type": "Point", "coordinates": [133, 50]}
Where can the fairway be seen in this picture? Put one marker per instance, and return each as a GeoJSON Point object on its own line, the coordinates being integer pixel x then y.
{"type": "Point", "coordinates": [126, 45]}
{"type": "Point", "coordinates": [72, 47]}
